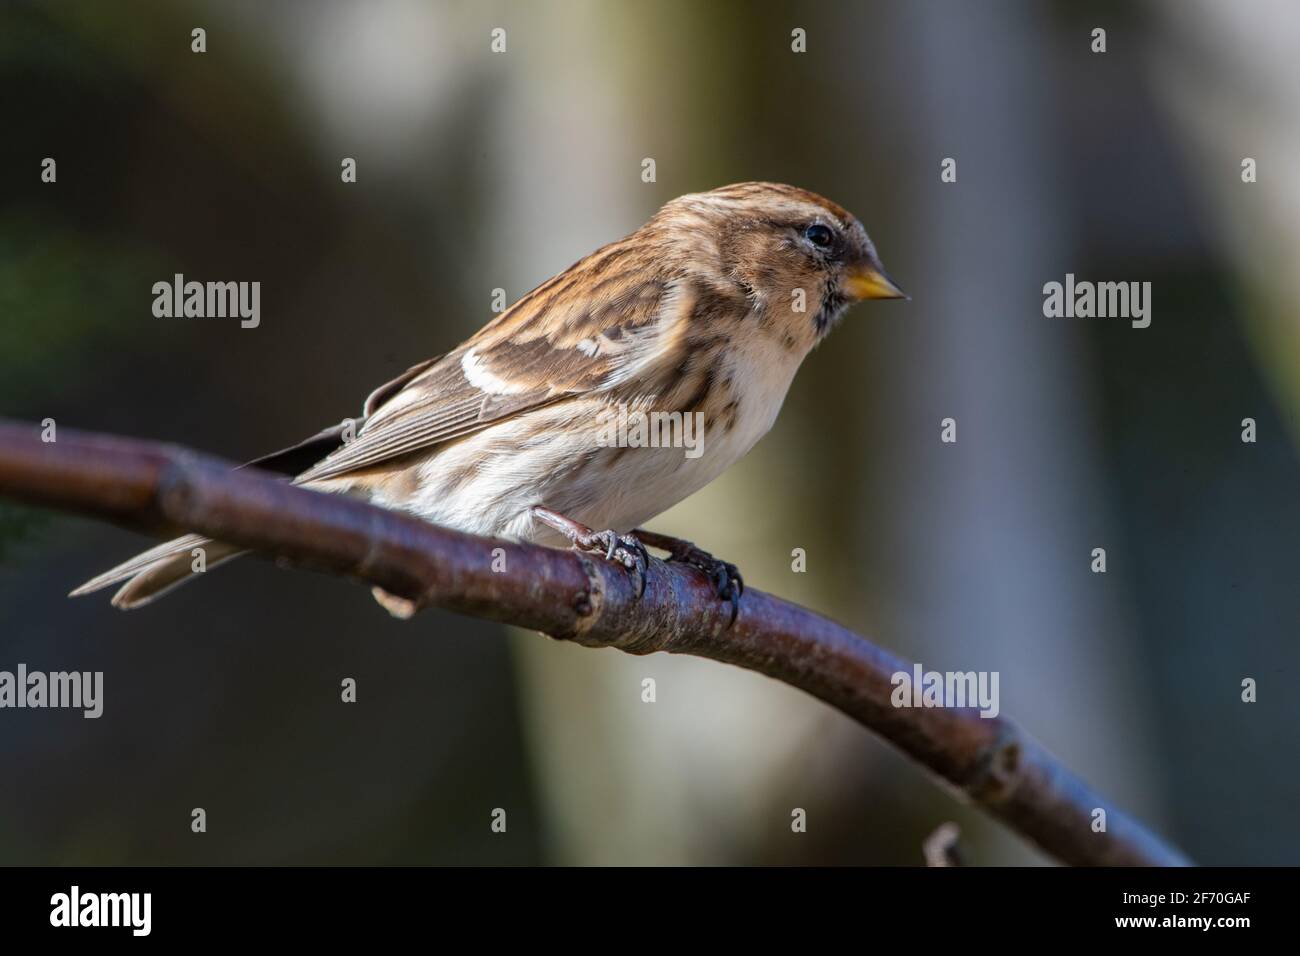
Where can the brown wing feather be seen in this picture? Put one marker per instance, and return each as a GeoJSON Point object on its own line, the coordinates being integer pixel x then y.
{"type": "Point", "coordinates": [528, 357]}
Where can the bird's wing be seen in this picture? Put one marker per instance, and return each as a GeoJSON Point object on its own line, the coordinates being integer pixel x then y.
{"type": "Point", "coordinates": [536, 353]}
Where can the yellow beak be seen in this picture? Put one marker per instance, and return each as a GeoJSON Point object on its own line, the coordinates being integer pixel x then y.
{"type": "Point", "coordinates": [869, 282]}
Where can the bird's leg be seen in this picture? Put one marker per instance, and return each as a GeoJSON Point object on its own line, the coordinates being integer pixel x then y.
{"type": "Point", "coordinates": [623, 549]}
{"type": "Point", "coordinates": [725, 576]}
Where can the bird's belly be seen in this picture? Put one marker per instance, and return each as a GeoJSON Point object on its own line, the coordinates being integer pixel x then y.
{"type": "Point", "coordinates": [487, 484]}
{"type": "Point", "coordinates": [571, 459]}
{"type": "Point", "coordinates": [627, 491]}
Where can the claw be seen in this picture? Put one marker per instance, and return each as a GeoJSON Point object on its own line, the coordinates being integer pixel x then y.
{"type": "Point", "coordinates": [723, 575]}
{"type": "Point", "coordinates": [637, 567]}
{"type": "Point", "coordinates": [721, 584]}
{"type": "Point", "coordinates": [622, 549]}
{"type": "Point", "coordinates": [636, 559]}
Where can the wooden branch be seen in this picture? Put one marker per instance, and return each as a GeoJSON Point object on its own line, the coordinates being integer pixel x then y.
{"type": "Point", "coordinates": [575, 597]}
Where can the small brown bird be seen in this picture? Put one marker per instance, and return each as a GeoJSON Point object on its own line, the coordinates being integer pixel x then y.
{"type": "Point", "coordinates": [545, 425]}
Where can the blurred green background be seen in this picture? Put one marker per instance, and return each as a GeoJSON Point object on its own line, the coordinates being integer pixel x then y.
{"type": "Point", "coordinates": [479, 170]}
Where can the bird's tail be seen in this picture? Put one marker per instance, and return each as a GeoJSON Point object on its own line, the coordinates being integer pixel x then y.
{"type": "Point", "coordinates": [158, 570]}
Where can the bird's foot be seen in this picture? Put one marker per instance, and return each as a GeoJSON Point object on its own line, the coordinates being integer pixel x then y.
{"type": "Point", "coordinates": [725, 576]}
{"type": "Point", "coordinates": [622, 549]}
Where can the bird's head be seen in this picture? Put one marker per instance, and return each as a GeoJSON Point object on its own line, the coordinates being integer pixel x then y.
{"type": "Point", "coordinates": [800, 259]}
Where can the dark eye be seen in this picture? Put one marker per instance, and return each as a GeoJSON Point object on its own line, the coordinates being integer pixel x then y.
{"type": "Point", "coordinates": [819, 235]}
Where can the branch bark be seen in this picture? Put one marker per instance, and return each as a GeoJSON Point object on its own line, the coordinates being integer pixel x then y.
{"type": "Point", "coordinates": [165, 489]}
